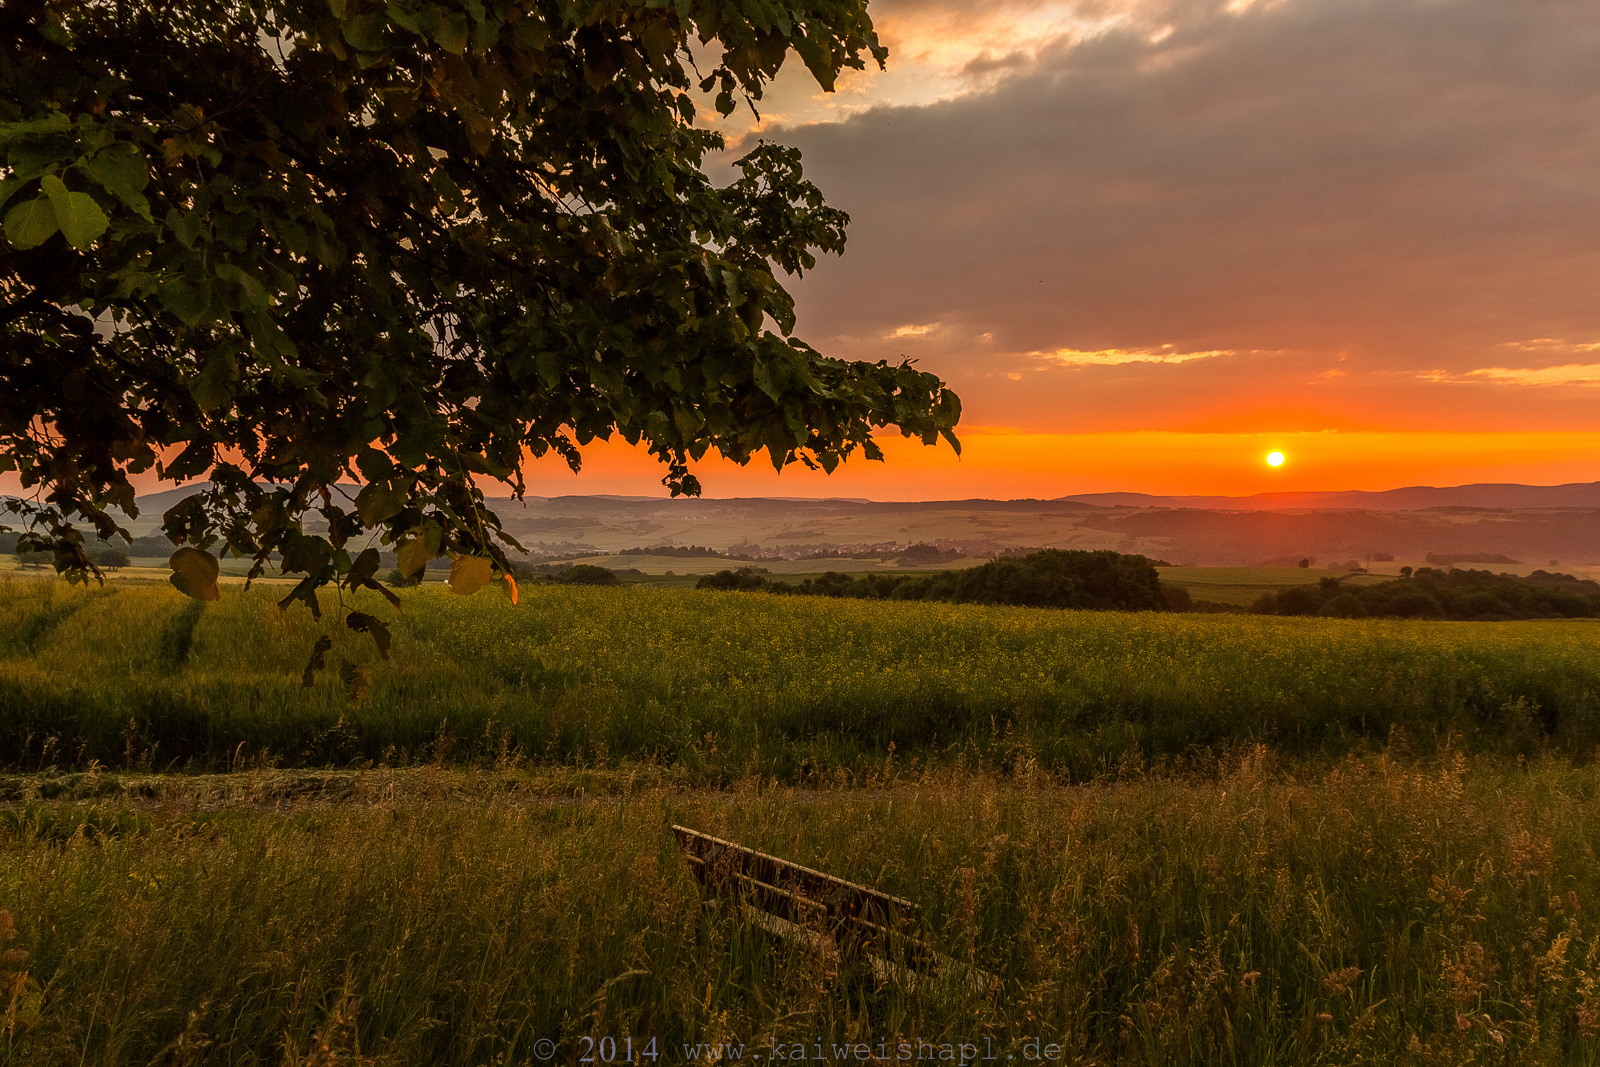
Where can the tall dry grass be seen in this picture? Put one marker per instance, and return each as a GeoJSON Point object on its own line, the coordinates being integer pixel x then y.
{"type": "Point", "coordinates": [1384, 909]}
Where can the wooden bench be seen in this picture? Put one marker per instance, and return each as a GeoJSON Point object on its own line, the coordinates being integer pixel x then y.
{"type": "Point", "coordinates": [828, 914]}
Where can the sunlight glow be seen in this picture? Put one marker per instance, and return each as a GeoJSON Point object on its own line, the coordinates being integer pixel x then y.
{"type": "Point", "coordinates": [1274, 459]}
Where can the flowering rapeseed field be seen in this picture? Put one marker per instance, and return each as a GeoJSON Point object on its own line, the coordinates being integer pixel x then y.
{"type": "Point", "coordinates": [725, 685]}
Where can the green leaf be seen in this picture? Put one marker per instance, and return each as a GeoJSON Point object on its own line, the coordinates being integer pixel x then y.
{"type": "Point", "coordinates": [253, 294]}
{"type": "Point", "coordinates": [378, 502]}
{"type": "Point", "coordinates": [306, 590]}
{"type": "Point", "coordinates": [405, 19]}
{"type": "Point", "coordinates": [194, 573]}
{"type": "Point", "coordinates": [357, 680]}
{"type": "Point", "coordinates": [468, 574]}
{"type": "Point", "coordinates": [55, 33]}
{"type": "Point", "coordinates": [451, 33]}
{"type": "Point", "coordinates": [79, 217]}
{"type": "Point", "coordinates": [366, 33]}
{"type": "Point", "coordinates": [817, 59]}
{"type": "Point", "coordinates": [362, 623]}
{"type": "Point", "coordinates": [9, 187]}
{"type": "Point", "coordinates": [190, 303]}
{"type": "Point", "coordinates": [318, 660]}
{"type": "Point", "coordinates": [30, 224]}
{"type": "Point", "coordinates": [364, 567]}
{"type": "Point", "coordinates": [214, 386]}
{"type": "Point", "coordinates": [122, 171]}
{"type": "Point", "coordinates": [55, 122]}
{"type": "Point", "coordinates": [185, 226]}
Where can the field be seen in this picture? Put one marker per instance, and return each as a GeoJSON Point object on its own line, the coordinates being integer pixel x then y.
{"type": "Point", "coordinates": [1532, 527]}
{"type": "Point", "coordinates": [1174, 839]}
{"type": "Point", "coordinates": [1240, 586]}
{"type": "Point", "coordinates": [719, 686]}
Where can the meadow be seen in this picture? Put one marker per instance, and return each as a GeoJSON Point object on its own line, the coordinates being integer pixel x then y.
{"type": "Point", "coordinates": [720, 686]}
{"type": "Point", "coordinates": [1243, 586]}
{"type": "Point", "coordinates": [1373, 911]}
{"type": "Point", "coordinates": [1174, 839]}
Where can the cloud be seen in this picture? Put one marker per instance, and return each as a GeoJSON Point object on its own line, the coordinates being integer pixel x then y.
{"type": "Point", "coordinates": [1407, 184]}
{"type": "Point", "coordinates": [1116, 357]}
{"type": "Point", "coordinates": [1587, 374]}
{"type": "Point", "coordinates": [912, 331]}
{"type": "Point", "coordinates": [1548, 345]}
{"type": "Point", "coordinates": [939, 50]}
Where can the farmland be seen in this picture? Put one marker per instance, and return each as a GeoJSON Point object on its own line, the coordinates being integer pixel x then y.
{"type": "Point", "coordinates": [1173, 838]}
{"type": "Point", "coordinates": [721, 686]}
{"type": "Point", "coordinates": [1528, 523]}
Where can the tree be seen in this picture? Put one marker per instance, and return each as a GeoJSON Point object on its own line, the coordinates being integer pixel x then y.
{"type": "Point", "coordinates": [299, 244]}
{"type": "Point", "coordinates": [112, 557]}
{"type": "Point", "coordinates": [588, 574]}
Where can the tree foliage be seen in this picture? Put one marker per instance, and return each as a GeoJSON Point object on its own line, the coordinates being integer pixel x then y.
{"type": "Point", "coordinates": [301, 245]}
{"type": "Point", "coordinates": [1051, 578]}
{"type": "Point", "coordinates": [1442, 594]}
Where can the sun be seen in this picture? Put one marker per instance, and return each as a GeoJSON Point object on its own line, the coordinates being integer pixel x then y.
{"type": "Point", "coordinates": [1274, 459]}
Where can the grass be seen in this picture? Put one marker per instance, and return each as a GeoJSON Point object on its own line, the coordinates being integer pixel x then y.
{"type": "Point", "coordinates": [1174, 839]}
{"type": "Point", "coordinates": [724, 686]}
{"type": "Point", "coordinates": [1241, 586]}
{"type": "Point", "coordinates": [1377, 910]}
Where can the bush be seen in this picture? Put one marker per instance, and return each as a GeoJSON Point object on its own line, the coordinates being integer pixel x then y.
{"type": "Point", "coordinates": [1433, 594]}
{"type": "Point", "coordinates": [1344, 606]}
{"type": "Point", "coordinates": [1177, 597]}
{"type": "Point", "coordinates": [1020, 582]}
{"type": "Point", "coordinates": [112, 557]}
{"type": "Point", "coordinates": [588, 574]}
{"type": "Point", "coordinates": [152, 546]}
{"type": "Point", "coordinates": [745, 579]}
{"type": "Point", "coordinates": [1051, 578]}
{"type": "Point", "coordinates": [1413, 604]}
{"type": "Point", "coordinates": [923, 555]}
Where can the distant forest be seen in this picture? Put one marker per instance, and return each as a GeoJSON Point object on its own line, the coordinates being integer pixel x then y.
{"type": "Point", "coordinates": [1436, 594]}
{"type": "Point", "coordinates": [1111, 581]}
{"type": "Point", "coordinates": [1053, 578]}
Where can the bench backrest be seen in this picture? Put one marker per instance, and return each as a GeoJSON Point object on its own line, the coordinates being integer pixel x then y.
{"type": "Point", "coordinates": [857, 916]}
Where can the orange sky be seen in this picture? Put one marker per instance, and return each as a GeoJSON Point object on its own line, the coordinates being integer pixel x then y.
{"type": "Point", "coordinates": [1005, 465]}
{"type": "Point", "coordinates": [1155, 239]}
{"type": "Point", "coordinates": [1149, 241]}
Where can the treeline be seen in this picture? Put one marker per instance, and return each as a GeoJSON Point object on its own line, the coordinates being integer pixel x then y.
{"type": "Point", "coordinates": [683, 552]}
{"type": "Point", "coordinates": [574, 573]}
{"type": "Point", "coordinates": [1436, 594]}
{"type": "Point", "coordinates": [140, 546]}
{"type": "Point", "coordinates": [1053, 578]}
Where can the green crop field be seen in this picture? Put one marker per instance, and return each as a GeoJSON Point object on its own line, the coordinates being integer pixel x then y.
{"type": "Point", "coordinates": [1240, 586]}
{"type": "Point", "coordinates": [724, 685]}
{"type": "Point", "coordinates": [1173, 839]}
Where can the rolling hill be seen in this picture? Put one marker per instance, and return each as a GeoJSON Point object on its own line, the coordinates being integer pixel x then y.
{"type": "Point", "coordinates": [1535, 524]}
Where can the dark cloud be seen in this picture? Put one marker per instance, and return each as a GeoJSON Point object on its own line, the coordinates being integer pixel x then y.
{"type": "Point", "coordinates": [1412, 185]}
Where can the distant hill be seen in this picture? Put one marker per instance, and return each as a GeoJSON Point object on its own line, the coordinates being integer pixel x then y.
{"type": "Point", "coordinates": [1413, 498]}
{"type": "Point", "coordinates": [1533, 524]}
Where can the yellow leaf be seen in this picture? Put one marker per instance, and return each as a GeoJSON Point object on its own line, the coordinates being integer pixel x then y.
{"type": "Point", "coordinates": [415, 553]}
{"type": "Point", "coordinates": [468, 574]}
{"type": "Point", "coordinates": [194, 573]}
